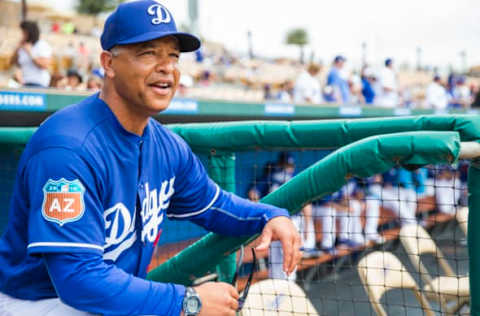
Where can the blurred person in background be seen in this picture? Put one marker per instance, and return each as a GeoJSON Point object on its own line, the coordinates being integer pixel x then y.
{"type": "Point", "coordinates": [55, 27]}
{"type": "Point", "coordinates": [448, 190]}
{"type": "Point", "coordinates": [186, 82]}
{"type": "Point", "coordinates": [350, 236]}
{"type": "Point", "coordinates": [307, 87]}
{"type": "Point", "coordinates": [372, 187]}
{"type": "Point", "coordinates": [94, 80]}
{"type": "Point", "coordinates": [282, 172]}
{"type": "Point", "coordinates": [338, 206]}
{"type": "Point", "coordinates": [70, 52]}
{"type": "Point", "coordinates": [285, 94]}
{"type": "Point", "coordinates": [368, 81]}
{"type": "Point", "coordinates": [339, 91]}
{"type": "Point", "coordinates": [436, 96]}
{"type": "Point", "coordinates": [68, 28]}
{"type": "Point", "coordinates": [33, 56]}
{"type": "Point", "coordinates": [58, 81]}
{"type": "Point", "coordinates": [206, 78]}
{"type": "Point", "coordinates": [398, 196]}
{"type": "Point", "coordinates": [74, 80]}
{"type": "Point", "coordinates": [83, 57]}
{"type": "Point", "coordinates": [274, 175]}
{"type": "Point", "coordinates": [267, 92]}
{"type": "Point", "coordinates": [476, 101]}
{"type": "Point", "coordinates": [460, 94]}
{"type": "Point", "coordinates": [388, 86]}
{"type": "Point", "coordinates": [94, 83]}
{"type": "Point", "coordinates": [355, 88]}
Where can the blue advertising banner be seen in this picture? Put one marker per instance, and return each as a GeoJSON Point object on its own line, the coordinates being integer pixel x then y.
{"type": "Point", "coordinates": [279, 109]}
{"type": "Point", "coordinates": [181, 105]}
{"type": "Point", "coordinates": [22, 101]}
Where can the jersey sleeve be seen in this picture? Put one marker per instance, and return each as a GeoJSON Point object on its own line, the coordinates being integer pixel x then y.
{"type": "Point", "coordinates": [85, 282]}
{"type": "Point", "coordinates": [195, 192]}
{"type": "Point", "coordinates": [65, 209]}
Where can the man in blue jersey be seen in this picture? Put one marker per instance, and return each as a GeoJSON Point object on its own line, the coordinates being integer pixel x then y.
{"type": "Point", "coordinates": [340, 93]}
{"type": "Point", "coordinates": [97, 179]}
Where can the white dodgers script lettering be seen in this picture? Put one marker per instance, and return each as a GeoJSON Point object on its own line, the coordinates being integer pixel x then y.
{"type": "Point", "coordinates": [152, 208]}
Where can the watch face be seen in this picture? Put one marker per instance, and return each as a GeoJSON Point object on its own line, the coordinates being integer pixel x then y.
{"type": "Point", "coordinates": [192, 304]}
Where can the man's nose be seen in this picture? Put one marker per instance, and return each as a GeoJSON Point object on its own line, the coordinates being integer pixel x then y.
{"type": "Point", "coordinates": [165, 65]}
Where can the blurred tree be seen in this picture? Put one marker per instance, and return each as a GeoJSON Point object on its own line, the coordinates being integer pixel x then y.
{"type": "Point", "coordinates": [94, 7]}
{"type": "Point", "coordinates": [298, 37]}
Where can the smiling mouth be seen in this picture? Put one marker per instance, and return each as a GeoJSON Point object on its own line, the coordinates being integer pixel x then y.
{"type": "Point", "coordinates": [162, 88]}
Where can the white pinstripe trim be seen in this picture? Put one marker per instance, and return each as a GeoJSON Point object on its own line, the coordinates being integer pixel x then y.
{"type": "Point", "coordinates": [238, 218]}
{"type": "Point", "coordinates": [198, 212]}
{"type": "Point", "coordinates": [64, 244]}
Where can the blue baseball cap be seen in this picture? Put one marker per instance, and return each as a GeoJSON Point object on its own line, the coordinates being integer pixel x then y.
{"type": "Point", "coordinates": [142, 21]}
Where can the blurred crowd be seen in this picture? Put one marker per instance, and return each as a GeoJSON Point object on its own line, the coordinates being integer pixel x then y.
{"type": "Point", "coordinates": [33, 56]}
{"type": "Point", "coordinates": [215, 73]}
{"type": "Point", "coordinates": [352, 216]}
{"type": "Point", "coordinates": [378, 88]}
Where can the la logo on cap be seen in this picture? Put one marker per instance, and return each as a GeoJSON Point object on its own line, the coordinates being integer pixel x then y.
{"type": "Point", "coordinates": [160, 12]}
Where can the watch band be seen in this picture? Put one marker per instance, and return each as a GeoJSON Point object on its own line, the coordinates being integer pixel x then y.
{"type": "Point", "coordinates": [191, 302]}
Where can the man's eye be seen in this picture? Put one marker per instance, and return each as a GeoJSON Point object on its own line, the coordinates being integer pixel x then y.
{"type": "Point", "coordinates": [175, 55]}
{"type": "Point", "coordinates": [148, 52]}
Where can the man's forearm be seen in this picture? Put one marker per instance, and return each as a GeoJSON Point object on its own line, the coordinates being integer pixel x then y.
{"type": "Point", "coordinates": [236, 216]}
{"type": "Point", "coordinates": [87, 283]}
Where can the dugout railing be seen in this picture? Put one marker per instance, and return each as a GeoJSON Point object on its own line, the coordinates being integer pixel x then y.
{"type": "Point", "coordinates": [362, 148]}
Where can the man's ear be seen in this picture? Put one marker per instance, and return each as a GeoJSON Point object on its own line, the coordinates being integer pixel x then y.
{"type": "Point", "coordinates": [106, 59]}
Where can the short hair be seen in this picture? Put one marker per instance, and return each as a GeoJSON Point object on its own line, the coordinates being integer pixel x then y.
{"type": "Point", "coordinates": [339, 58]}
{"type": "Point", "coordinates": [313, 68]}
{"type": "Point", "coordinates": [31, 30]}
{"type": "Point", "coordinates": [115, 50]}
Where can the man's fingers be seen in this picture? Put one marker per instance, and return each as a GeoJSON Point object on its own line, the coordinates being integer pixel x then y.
{"type": "Point", "coordinates": [233, 292]}
{"type": "Point", "coordinates": [234, 304]}
{"type": "Point", "coordinates": [297, 255]}
{"type": "Point", "coordinates": [265, 240]}
{"type": "Point", "coordinates": [287, 245]}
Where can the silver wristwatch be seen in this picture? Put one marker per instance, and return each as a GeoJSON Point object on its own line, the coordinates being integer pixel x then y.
{"type": "Point", "coordinates": [191, 302]}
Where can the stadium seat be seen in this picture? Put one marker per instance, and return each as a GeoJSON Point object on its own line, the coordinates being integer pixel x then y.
{"type": "Point", "coordinates": [462, 219]}
{"type": "Point", "coordinates": [382, 271]}
{"type": "Point", "coordinates": [277, 297]}
{"type": "Point", "coordinates": [443, 289]}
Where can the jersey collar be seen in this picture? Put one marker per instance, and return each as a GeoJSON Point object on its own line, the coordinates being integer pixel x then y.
{"type": "Point", "coordinates": [116, 124]}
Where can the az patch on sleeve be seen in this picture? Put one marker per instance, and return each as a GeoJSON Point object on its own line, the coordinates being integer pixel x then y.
{"type": "Point", "coordinates": [63, 201]}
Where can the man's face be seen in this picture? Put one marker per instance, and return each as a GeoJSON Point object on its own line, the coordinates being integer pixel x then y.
{"type": "Point", "coordinates": [146, 75]}
{"type": "Point", "coordinates": [73, 81]}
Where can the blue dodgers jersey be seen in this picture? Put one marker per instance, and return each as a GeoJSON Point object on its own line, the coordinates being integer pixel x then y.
{"type": "Point", "coordinates": [85, 184]}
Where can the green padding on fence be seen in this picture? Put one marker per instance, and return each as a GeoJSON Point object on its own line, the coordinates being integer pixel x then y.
{"type": "Point", "coordinates": [474, 235]}
{"type": "Point", "coordinates": [16, 135]}
{"type": "Point", "coordinates": [243, 136]}
{"type": "Point", "coordinates": [364, 158]}
{"type": "Point", "coordinates": [222, 170]}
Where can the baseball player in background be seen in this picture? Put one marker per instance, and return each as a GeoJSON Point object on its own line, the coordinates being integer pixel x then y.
{"type": "Point", "coordinates": [97, 179]}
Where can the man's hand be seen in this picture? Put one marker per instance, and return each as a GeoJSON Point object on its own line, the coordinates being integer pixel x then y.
{"type": "Point", "coordinates": [217, 298]}
{"type": "Point", "coordinates": [281, 228]}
